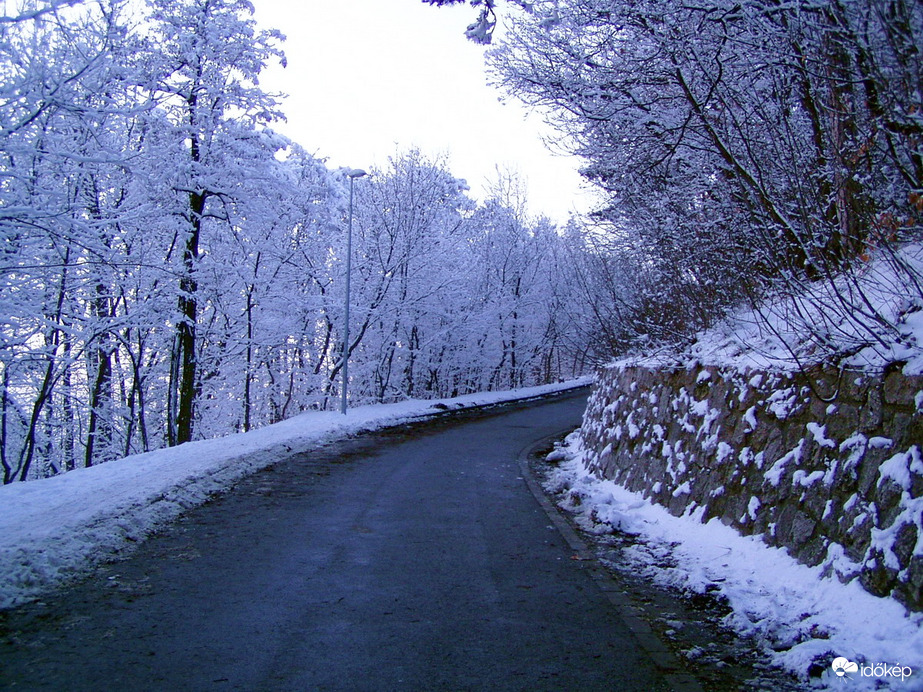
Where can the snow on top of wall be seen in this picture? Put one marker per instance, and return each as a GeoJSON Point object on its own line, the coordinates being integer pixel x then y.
{"type": "Point", "coordinates": [790, 332]}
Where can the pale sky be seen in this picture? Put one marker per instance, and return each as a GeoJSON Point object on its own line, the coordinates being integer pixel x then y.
{"type": "Point", "coordinates": [367, 78]}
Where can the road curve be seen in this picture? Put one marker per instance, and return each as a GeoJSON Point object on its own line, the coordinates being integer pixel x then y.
{"type": "Point", "coordinates": [414, 559]}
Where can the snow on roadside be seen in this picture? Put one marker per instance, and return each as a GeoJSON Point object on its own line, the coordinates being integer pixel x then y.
{"type": "Point", "coordinates": [55, 529]}
{"type": "Point", "coordinates": [801, 618]}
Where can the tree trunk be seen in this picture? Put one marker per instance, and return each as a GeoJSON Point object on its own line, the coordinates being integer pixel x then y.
{"type": "Point", "coordinates": [185, 351]}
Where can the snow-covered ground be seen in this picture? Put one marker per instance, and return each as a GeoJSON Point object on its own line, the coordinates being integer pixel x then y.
{"type": "Point", "coordinates": [799, 616]}
{"type": "Point", "coordinates": [803, 618]}
{"type": "Point", "coordinates": [56, 529]}
{"type": "Point", "coordinates": [864, 320]}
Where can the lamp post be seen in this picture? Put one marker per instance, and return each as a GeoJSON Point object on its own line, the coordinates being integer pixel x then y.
{"type": "Point", "coordinates": [352, 174]}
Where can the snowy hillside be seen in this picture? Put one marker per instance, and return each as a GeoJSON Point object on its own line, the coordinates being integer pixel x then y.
{"type": "Point", "coordinates": [864, 321]}
{"type": "Point", "coordinates": [804, 618]}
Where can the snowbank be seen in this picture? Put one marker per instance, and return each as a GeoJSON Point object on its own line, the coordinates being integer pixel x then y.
{"type": "Point", "coordinates": [55, 529]}
{"type": "Point", "coordinates": [804, 620]}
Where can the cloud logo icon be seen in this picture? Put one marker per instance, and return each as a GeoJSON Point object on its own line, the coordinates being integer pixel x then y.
{"type": "Point", "coordinates": [841, 666]}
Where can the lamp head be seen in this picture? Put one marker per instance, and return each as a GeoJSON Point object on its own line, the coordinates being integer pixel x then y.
{"type": "Point", "coordinates": [355, 173]}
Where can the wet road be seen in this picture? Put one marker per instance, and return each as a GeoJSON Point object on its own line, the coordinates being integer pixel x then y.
{"type": "Point", "coordinates": [409, 560]}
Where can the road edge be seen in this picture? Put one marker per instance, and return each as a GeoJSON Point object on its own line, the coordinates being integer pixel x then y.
{"type": "Point", "coordinates": [666, 663]}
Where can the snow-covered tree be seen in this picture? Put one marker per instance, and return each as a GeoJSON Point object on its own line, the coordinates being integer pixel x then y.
{"type": "Point", "coordinates": [741, 146]}
{"type": "Point", "coordinates": [482, 29]}
{"type": "Point", "coordinates": [206, 68]}
{"type": "Point", "coordinates": [172, 269]}
{"type": "Point", "coordinates": [61, 117]}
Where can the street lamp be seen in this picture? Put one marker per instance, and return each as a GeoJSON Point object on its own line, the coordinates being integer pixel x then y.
{"type": "Point", "coordinates": [352, 174]}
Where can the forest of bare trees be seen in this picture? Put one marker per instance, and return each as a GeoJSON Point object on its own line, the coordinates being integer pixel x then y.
{"type": "Point", "coordinates": [173, 269]}
{"type": "Point", "coordinates": [751, 152]}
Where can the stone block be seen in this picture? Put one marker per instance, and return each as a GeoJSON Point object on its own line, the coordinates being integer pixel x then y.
{"type": "Point", "coordinates": [856, 539]}
{"type": "Point", "coordinates": [813, 552]}
{"type": "Point", "coordinates": [905, 542]}
{"type": "Point", "coordinates": [877, 579]}
{"type": "Point", "coordinates": [854, 387]}
{"type": "Point", "coordinates": [720, 395]}
{"type": "Point", "coordinates": [714, 507]}
{"type": "Point", "coordinates": [916, 485]}
{"type": "Point", "coordinates": [829, 525]}
{"type": "Point", "coordinates": [803, 528]}
{"type": "Point", "coordinates": [815, 500]}
{"type": "Point", "coordinates": [904, 428]}
{"type": "Point", "coordinates": [868, 470]}
{"type": "Point", "coordinates": [793, 527]}
{"type": "Point", "coordinates": [842, 424]}
{"type": "Point", "coordinates": [817, 410]}
{"type": "Point", "coordinates": [676, 505]}
{"type": "Point", "coordinates": [870, 415]}
{"type": "Point", "coordinates": [910, 592]}
{"type": "Point", "coordinates": [735, 506]}
{"type": "Point", "coordinates": [887, 499]}
{"type": "Point", "coordinates": [899, 389]}
{"type": "Point", "coordinates": [772, 446]}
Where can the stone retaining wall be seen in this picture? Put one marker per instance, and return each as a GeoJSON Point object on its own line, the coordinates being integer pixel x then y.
{"type": "Point", "coordinates": [827, 464]}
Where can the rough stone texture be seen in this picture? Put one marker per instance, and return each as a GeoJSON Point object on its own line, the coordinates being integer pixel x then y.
{"type": "Point", "coordinates": [827, 463]}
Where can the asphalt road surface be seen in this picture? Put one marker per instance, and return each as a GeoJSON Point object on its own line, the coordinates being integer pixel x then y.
{"type": "Point", "coordinates": [414, 559]}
